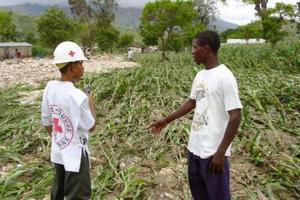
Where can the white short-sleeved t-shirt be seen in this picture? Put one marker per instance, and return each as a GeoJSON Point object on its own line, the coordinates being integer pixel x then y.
{"type": "Point", "coordinates": [66, 109]}
{"type": "Point", "coordinates": [130, 54]}
{"type": "Point", "coordinates": [216, 92]}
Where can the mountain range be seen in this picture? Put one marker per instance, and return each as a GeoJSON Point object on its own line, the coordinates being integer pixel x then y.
{"type": "Point", "coordinates": [124, 16]}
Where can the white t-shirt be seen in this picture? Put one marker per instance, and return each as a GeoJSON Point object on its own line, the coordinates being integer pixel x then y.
{"type": "Point", "coordinates": [130, 55]}
{"type": "Point", "coordinates": [216, 92]}
{"type": "Point", "coordinates": [66, 108]}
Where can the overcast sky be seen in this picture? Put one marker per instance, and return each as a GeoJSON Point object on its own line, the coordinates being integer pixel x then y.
{"type": "Point", "coordinates": [234, 11]}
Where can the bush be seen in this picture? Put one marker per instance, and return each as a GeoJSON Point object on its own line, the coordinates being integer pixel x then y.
{"type": "Point", "coordinates": [125, 41]}
{"type": "Point", "coordinates": [55, 27]}
{"type": "Point", "coordinates": [38, 51]}
{"type": "Point", "coordinates": [107, 37]}
{"type": "Point", "coordinates": [176, 44]}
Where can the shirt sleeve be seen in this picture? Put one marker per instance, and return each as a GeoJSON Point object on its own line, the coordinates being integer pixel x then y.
{"type": "Point", "coordinates": [231, 94]}
{"type": "Point", "coordinates": [87, 120]}
{"type": "Point", "coordinates": [46, 116]}
{"type": "Point", "coordinates": [193, 94]}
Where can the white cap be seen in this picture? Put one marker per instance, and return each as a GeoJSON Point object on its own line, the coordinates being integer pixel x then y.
{"type": "Point", "coordinates": [67, 52]}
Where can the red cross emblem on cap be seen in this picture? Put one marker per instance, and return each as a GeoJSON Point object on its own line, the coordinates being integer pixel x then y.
{"type": "Point", "coordinates": [72, 53]}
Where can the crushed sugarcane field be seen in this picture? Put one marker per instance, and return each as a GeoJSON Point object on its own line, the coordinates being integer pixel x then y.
{"type": "Point", "coordinates": [130, 162]}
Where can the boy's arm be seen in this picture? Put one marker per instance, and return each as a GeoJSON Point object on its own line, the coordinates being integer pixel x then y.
{"type": "Point", "coordinates": [45, 114]}
{"type": "Point", "coordinates": [49, 130]}
{"type": "Point", "coordinates": [92, 107]}
{"type": "Point", "coordinates": [182, 110]}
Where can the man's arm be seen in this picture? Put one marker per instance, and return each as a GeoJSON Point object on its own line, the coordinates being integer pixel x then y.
{"type": "Point", "coordinates": [217, 165]}
{"type": "Point", "coordinates": [182, 110]}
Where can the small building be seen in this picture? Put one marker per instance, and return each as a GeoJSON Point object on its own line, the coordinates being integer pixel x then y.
{"type": "Point", "coordinates": [9, 50]}
{"type": "Point", "coordinates": [244, 41]}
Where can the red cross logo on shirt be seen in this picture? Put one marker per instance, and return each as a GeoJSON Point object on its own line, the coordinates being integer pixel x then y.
{"type": "Point", "coordinates": [57, 127]}
{"type": "Point", "coordinates": [72, 53]}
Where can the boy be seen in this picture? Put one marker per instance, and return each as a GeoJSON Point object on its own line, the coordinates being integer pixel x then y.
{"type": "Point", "coordinates": [216, 119]}
{"type": "Point", "coordinates": [68, 114]}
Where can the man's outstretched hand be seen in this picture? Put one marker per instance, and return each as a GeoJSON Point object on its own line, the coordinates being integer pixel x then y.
{"type": "Point", "coordinates": [157, 126]}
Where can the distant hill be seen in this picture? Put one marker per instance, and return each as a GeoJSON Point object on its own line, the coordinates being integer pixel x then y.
{"type": "Point", "coordinates": [222, 25]}
{"type": "Point", "coordinates": [128, 17]}
{"type": "Point", "coordinates": [31, 9]}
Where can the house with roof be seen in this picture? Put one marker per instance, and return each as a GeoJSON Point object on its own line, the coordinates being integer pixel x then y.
{"type": "Point", "coordinates": [244, 41]}
{"type": "Point", "coordinates": [11, 50]}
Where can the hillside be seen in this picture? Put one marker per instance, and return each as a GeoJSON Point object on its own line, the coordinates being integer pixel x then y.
{"type": "Point", "coordinates": [124, 16]}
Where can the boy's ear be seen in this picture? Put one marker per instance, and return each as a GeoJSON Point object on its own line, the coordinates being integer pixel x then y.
{"type": "Point", "coordinates": [207, 48]}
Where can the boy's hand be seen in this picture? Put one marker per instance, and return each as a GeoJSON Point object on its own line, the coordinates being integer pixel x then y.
{"type": "Point", "coordinates": [49, 130]}
{"type": "Point", "coordinates": [157, 126]}
{"type": "Point", "coordinates": [87, 90]}
{"type": "Point", "coordinates": [217, 164]}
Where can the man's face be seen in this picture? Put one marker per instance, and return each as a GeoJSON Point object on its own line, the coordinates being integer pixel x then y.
{"type": "Point", "coordinates": [199, 52]}
{"type": "Point", "coordinates": [78, 70]}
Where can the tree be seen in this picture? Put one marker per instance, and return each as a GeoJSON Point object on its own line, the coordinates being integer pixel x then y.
{"type": "Point", "coordinates": [107, 37]}
{"type": "Point", "coordinates": [190, 31]}
{"type": "Point", "coordinates": [125, 41]}
{"type": "Point", "coordinates": [150, 39]}
{"type": "Point", "coordinates": [96, 18]}
{"type": "Point", "coordinates": [251, 30]}
{"type": "Point", "coordinates": [274, 19]}
{"type": "Point", "coordinates": [7, 28]}
{"type": "Point", "coordinates": [99, 10]}
{"type": "Point", "coordinates": [81, 9]}
{"type": "Point", "coordinates": [86, 35]}
{"type": "Point", "coordinates": [176, 44]}
{"type": "Point", "coordinates": [104, 11]}
{"type": "Point", "coordinates": [285, 11]}
{"type": "Point", "coordinates": [54, 27]}
{"type": "Point", "coordinates": [30, 37]}
{"type": "Point", "coordinates": [273, 32]}
{"type": "Point", "coordinates": [163, 17]}
{"type": "Point", "coordinates": [268, 17]}
{"type": "Point", "coordinates": [206, 10]}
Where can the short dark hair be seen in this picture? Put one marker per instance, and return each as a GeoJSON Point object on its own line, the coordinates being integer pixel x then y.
{"type": "Point", "coordinates": [210, 38]}
{"type": "Point", "coordinates": [65, 68]}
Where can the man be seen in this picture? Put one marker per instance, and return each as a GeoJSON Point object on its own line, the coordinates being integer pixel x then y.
{"type": "Point", "coordinates": [130, 54]}
{"type": "Point", "coordinates": [68, 114]}
{"type": "Point", "coordinates": [214, 96]}
{"type": "Point", "coordinates": [18, 54]}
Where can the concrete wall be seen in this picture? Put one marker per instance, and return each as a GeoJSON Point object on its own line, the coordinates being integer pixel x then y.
{"type": "Point", "coordinates": [25, 52]}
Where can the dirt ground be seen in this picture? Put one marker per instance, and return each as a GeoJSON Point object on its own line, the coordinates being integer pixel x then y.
{"type": "Point", "coordinates": [32, 71]}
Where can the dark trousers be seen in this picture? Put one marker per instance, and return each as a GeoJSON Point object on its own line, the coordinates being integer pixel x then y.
{"type": "Point", "coordinates": [203, 184]}
{"type": "Point", "coordinates": [72, 185]}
